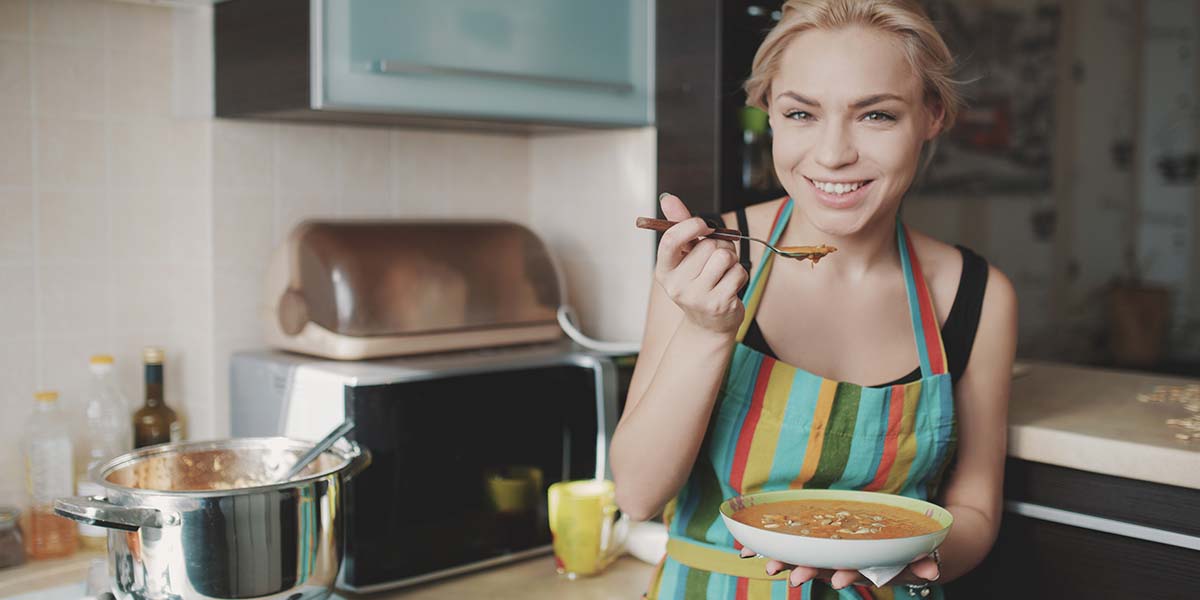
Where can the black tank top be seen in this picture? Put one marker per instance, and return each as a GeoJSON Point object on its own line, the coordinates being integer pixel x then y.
{"type": "Point", "coordinates": [958, 332]}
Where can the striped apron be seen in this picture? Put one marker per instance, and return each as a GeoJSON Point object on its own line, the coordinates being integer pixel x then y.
{"type": "Point", "coordinates": [777, 427]}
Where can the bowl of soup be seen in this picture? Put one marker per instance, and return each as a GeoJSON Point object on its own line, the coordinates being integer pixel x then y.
{"type": "Point", "coordinates": [836, 529]}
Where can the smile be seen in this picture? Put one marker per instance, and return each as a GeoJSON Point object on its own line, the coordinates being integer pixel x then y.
{"type": "Point", "coordinates": [839, 188]}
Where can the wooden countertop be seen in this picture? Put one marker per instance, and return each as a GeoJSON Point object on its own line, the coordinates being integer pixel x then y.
{"type": "Point", "coordinates": [532, 579]}
{"type": "Point", "coordinates": [1091, 419]}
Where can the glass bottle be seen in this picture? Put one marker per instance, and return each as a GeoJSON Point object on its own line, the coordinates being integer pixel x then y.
{"type": "Point", "coordinates": [108, 435]}
{"type": "Point", "coordinates": [154, 422]}
{"type": "Point", "coordinates": [48, 471]}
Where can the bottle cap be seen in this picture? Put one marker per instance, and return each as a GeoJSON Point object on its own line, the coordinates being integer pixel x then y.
{"type": "Point", "coordinates": [152, 355]}
{"type": "Point", "coordinates": [101, 359]}
{"type": "Point", "coordinates": [45, 396]}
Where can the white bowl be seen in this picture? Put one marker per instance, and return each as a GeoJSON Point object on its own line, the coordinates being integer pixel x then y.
{"type": "Point", "coordinates": [824, 553]}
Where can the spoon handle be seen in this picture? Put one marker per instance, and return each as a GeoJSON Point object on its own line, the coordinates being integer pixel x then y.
{"type": "Point", "coordinates": [318, 449]}
{"type": "Point", "coordinates": [719, 233]}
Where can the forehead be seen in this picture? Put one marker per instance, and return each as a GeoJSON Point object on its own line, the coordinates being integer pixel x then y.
{"type": "Point", "coordinates": [844, 65]}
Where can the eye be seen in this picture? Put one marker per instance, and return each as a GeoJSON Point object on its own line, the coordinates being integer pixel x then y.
{"type": "Point", "coordinates": [878, 116]}
{"type": "Point", "coordinates": [798, 115]}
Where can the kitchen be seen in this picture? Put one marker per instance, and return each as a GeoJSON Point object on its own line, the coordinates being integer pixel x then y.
{"type": "Point", "coordinates": [133, 217]}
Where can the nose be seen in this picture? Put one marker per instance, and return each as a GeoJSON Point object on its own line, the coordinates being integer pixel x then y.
{"type": "Point", "coordinates": [835, 149]}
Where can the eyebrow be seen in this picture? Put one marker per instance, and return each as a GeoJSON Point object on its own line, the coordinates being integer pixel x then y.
{"type": "Point", "coordinates": [860, 103]}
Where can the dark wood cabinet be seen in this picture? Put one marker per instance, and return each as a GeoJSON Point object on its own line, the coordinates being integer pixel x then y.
{"type": "Point", "coordinates": [703, 55]}
{"type": "Point", "coordinates": [1067, 533]}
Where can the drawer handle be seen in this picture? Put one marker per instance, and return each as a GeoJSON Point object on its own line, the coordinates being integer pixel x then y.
{"type": "Point", "coordinates": [1121, 528]}
{"type": "Point", "coordinates": [399, 67]}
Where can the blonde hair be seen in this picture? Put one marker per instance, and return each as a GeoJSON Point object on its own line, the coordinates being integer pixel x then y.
{"type": "Point", "coordinates": [924, 47]}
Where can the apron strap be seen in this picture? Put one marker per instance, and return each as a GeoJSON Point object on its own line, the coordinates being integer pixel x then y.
{"type": "Point", "coordinates": [930, 349]}
{"type": "Point", "coordinates": [707, 557]}
{"type": "Point", "coordinates": [758, 282]}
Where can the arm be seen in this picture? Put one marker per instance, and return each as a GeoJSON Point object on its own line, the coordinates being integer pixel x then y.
{"type": "Point", "coordinates": [693, 315]}
{"type": "Point", "coordinates": [974, 491]}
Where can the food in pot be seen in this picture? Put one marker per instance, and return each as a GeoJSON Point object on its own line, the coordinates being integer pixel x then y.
{"type": "Point", "coordinates": [837, 519]}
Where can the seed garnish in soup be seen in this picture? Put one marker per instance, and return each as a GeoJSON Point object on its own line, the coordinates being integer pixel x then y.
{"type": "Point", "coordinates": [837, 519]}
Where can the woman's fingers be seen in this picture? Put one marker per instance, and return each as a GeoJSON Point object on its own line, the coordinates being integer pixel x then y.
{"type": "Point", "coordinates": [747, 553]}
{"type": "Point", "coordinates": [678, 241]}
{"type": "Point", "coordinates": [801, 575]}
{"type": "Point", "coordinates": [715, 268]}
{"type": "Point", "coordinates": [673, 208]}
{"type": "Point", "coordinates": [843, 579]}
{"type": "Point", "coordinates": [926, 569]}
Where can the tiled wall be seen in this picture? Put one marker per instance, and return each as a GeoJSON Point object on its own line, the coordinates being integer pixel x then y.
{"type": "Point", "coordinates": [105, 228]}
{"type": "Point", "coordinates": [129, 216]}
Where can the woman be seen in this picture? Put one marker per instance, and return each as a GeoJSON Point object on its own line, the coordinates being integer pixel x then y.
{"type": "Point", "coordinates": [800, 381]}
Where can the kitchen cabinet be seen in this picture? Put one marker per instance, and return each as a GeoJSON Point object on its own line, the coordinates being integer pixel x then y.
{"type": "Point", "coordinates": [512, 64]}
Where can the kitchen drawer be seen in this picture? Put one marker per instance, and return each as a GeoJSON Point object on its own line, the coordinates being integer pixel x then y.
{"type": "Point", "coordinates": [508, 63]}
{"type": "Point", "coordinates": [1070, 533]}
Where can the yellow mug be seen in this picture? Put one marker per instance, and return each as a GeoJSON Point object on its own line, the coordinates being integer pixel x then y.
{"type": "Point", "coordinates": [587, 536]}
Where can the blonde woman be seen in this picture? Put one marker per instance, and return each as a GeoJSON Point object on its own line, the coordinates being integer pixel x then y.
{"type": "Point", "coordinates": [884, 368]}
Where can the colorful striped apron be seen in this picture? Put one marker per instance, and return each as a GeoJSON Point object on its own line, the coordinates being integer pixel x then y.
{"type": "Point", "coordinates": [776, 426]}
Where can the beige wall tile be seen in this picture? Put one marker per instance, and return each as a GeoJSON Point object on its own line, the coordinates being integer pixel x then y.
{"type": "Point", "coordinates": [67, 81]}
{"type": "Point", "coordinates": [237, 296]}
{"type": "Point", "coordinates": [142, 298]}
{"type": "Point", "coordinates": [140, 151]}
{"type": "Point", "coordinates": [18, 360]}
{"type": "Point", "coordinates": [189, 160]}
{"type": "Point", "coordinates": [243, 155]}
{"type": "Point", "coordinates": [18, 300]}
{"type": "Point", "coordinates": [73, 226]}
{"type": "Point", "coordinates": [292, 208]}
{"type": "Point", "coordinates": [15, 87]}
{"type": "Point", "coordinates": [443, 174]}
{"type": "Point", "coordinates": [243, 228]}
{"type": "Point", "coordinates": [139, 28]}
{"type": "Point", "coordinates": [364, 157]}
{"type": "Point", "coordinates": [74, 299]}
{"type": "Point", "coordinates": [191, 226]}
{"type": "Point", "coordinates": [191, 289]}
{"type": "Point", "coordinates": [14, 19]}
{"type": "Point", "coordinates": [598, 182]}
{"type": "Point", "coordinates": [307, 159]}
{"type": "Point", "coordinates": [16, 224]}
{"type": "Point", "coordinates": [77, 22]}
{"type": "Point", "coordinates": [139, 82]}
{"type": "Point", "coordinates": [16, 152]}
{"type": "Point", "coordinates": [71, 152]}
{"type": "Point", "coordinates": [141, 226]}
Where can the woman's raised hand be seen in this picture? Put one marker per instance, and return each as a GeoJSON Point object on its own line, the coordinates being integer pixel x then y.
{"type": "Point", "coordinates": [701, 276]}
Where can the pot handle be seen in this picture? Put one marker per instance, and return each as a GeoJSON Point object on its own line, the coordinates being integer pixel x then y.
{"type": "Point", "coordinates": [95, 510]}
{"type": "Point", "coordinates": [360, 458]}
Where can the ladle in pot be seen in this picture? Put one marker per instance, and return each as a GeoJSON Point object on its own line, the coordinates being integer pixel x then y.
{"type": "Point", "coordinates": [317, 450]}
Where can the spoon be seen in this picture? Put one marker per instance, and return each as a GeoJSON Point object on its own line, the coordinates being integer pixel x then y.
{"type": "Point", "coordinates": [813, 253]}
{"type": "Point", "coordinates": [318, 449]}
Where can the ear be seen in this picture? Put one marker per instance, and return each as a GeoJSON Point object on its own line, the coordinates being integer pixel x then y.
{"type": "Point", "coordinates": [937, 117]}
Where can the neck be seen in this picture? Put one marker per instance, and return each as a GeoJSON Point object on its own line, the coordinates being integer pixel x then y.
{"type": "Point", "coordinates": [866, 251]}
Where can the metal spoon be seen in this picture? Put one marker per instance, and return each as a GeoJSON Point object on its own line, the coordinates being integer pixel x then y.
{"type": "Point", "coordinates": [323, 445]}
{"type": "Point", "coordinates": [813, 253]}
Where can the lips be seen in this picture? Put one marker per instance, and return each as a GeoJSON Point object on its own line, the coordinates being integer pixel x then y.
{"type": "Point", "coordinates": [840, 201]}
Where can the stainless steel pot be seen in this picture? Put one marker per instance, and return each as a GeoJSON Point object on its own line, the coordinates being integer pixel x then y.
{"type": "Point", "coordinates": [195, 521]}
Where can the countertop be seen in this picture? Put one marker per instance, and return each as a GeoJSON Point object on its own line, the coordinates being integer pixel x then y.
{"type": "Point", "coordinates": [532, 579]}
{"type": "Point", "coordinates": [1092, 420]}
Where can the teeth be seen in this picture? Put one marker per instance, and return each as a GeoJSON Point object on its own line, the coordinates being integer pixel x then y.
{"type": "Point", "coordinates": [838, 188]}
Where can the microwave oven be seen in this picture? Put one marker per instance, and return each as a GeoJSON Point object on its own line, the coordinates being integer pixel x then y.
{"type": "Point", "coordinates": [463, 447]}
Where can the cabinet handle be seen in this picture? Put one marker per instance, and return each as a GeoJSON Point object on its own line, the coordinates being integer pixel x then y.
{"type": "Point", "coordinates": [1101, 524]}
{"type": "Point", "coordinates": [398, 67]}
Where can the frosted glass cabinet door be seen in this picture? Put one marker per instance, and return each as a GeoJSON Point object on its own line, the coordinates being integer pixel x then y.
{"type": "Point", "coordinates": [569, 61]}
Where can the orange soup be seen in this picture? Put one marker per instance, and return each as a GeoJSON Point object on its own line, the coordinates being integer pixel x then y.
{"type": "Point", "coordinates": [837, 519]}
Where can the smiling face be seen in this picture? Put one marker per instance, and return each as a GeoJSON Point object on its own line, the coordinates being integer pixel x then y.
{"type": "Point", "coordinates": [849, 117]}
